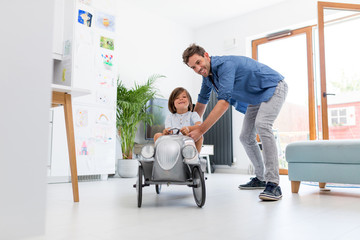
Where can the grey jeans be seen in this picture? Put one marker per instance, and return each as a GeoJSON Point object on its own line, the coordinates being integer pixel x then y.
{"type": "Point", "coordinates": [260, 119]}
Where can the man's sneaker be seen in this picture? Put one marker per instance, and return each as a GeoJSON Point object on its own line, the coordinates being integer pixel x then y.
{"type": "Point", "coordinates": [272, 192]}
{"type": "Point", "coordinates": [254, 183]}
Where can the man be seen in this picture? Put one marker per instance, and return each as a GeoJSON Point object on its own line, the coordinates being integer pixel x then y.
{"type": "Point", "coordinates": [253, 89]}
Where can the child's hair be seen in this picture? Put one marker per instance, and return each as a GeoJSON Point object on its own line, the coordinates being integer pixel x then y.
{"type": "Point", "coordinates": [175, 93]}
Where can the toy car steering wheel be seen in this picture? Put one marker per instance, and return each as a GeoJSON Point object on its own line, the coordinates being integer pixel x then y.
{"type": "Point", "coordinates": [172, 130]}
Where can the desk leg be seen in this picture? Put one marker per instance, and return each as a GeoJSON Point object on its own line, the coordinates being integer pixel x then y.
{"type": "Point", "coordinates": [71, 145]}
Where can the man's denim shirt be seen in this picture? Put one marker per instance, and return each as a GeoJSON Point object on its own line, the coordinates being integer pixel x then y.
{"type": "Point", "coordinates": [240, 81]}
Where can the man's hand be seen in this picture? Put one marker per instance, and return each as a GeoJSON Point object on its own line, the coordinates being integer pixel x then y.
{"type": "Point", "coordinates": [195, 132]}
{"type": "Point", "coordinates": [219, 109]}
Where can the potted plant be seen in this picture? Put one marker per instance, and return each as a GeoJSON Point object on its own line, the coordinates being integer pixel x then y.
{"type": "Point", "coordinates": [131, 110]}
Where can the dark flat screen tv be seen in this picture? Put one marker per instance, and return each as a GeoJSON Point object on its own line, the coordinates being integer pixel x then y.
{"type": "Point", "coordinates": [159, 108]}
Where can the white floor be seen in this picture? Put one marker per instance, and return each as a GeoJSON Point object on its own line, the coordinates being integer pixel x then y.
{"type": "Point", "coordinates": [108, 210]}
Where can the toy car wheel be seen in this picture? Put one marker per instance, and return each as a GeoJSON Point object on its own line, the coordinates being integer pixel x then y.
{"type": "Point", "coordinates": [199, 187]}
{"type": "Point", "coordinates": [158, 188]}
{"type": "Point", "coordinates": [139, 186]}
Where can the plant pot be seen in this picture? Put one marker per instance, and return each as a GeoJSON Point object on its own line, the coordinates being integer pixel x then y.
{"type": "Point", "coordinates": [128, 168]}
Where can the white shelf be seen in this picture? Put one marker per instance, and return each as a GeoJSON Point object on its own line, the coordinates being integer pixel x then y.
{"type": "Point", "coordinates": [75, 92]}
{"type": "Point", "coordinates": [207, 150]}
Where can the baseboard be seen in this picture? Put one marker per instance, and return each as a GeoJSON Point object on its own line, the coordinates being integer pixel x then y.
{"type": "Point", "coordinates": [82, 178]}
{"type": "Point", "coordinates": [58, 179]}
{"type": "Point", "coordinates": [228, 169]}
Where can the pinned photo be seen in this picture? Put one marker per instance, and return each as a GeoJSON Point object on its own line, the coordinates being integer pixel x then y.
{"type": "Point", "coordinates": [107, 60]}
{"type": "Point", "coordinates": [107, 43]}
{"type": "Point", "coordinates": [84, 18]}
{"type": "Point", "coordinates": [81, 118]}
{"type": "Point", "coordinates": [105, 21]}
{"type": "Point", "coordinates": [106, 79]}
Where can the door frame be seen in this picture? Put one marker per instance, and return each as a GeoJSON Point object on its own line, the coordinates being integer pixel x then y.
{"type": "Point", "coordinates": [308, 31]}
{"type": "Point", "coordinates": [324, 106]}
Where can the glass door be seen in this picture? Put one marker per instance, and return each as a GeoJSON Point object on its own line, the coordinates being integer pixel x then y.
{"type": "Point", "coordinates": [339, 47]}
{"type": "Point", "coordinates": [290, 53]}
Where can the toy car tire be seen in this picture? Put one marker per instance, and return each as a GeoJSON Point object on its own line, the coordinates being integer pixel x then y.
{"type": "Point", "coordinates": [158, 188]}
{"type": "Point", "coordinates": [139, 186]}
{"type": "Point", "coordinates": [199, 190]}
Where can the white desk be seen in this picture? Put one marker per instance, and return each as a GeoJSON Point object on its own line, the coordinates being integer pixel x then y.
{"type": "Point", "coordinates": [61, 95]}
{"type": "Point", "coordinates": [205, 152]}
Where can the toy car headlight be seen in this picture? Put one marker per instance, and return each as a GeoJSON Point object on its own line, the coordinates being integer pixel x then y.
{"type": "Point", "coordinates": [189, 152]}
{"type": "Point", "coordinates": [147, 151]}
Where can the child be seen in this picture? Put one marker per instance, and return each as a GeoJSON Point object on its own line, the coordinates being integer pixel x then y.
{"type": "Point", "coordinates": [182, 117]}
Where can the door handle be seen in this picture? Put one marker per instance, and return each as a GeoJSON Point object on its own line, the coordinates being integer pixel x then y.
{"type": "Point", "coordinates": [326, 94]}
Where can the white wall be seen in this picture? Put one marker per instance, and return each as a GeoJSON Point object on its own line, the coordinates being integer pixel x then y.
{"type": "Point", "coordinates": [151, 44]}
{"type": "Point", "coordinates": [25, 76]}
{"type": "Point", "coordinates": [290, 14]}
{"type": "Point", "coordinates": [148, 44]}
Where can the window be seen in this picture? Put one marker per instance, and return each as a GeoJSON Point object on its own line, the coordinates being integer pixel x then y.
{"type": "Point", "coordinates": [344, 116]}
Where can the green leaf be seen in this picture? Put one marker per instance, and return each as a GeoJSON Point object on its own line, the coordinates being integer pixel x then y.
{"type": "Point", "coordinates": [132, 109]}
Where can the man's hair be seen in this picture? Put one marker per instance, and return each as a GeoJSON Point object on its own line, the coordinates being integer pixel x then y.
{"type": "Point", "coordinates": [191, 50]}
{"type": "Point", "coordinates": [174, 94]}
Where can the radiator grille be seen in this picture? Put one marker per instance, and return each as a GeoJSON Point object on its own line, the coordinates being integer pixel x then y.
{"type": "Point", "coordinates": [89, 178]}
{"type": "Point", "coordinates": [220, 135]}
{"type": "Point", "coordinates": [167, 154]}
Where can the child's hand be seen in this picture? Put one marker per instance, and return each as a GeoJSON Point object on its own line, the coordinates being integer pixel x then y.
{"type": "Point", "coordinates": [166, 131]}
{"type": "Point", "coordinates": [185, 131]}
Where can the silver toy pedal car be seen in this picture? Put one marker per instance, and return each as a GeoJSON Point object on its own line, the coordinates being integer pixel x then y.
{"type": "Point", "coordinates": [173, 160]}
